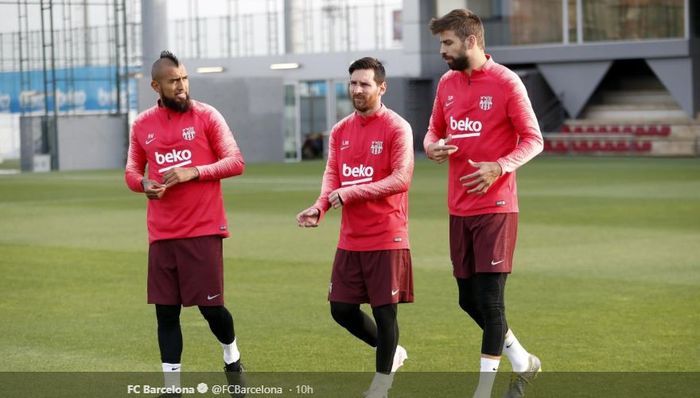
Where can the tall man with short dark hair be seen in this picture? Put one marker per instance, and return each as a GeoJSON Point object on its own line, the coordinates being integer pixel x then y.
{"type": "Point", "coordinates": [188, 148]}
{"type": "Point", "coordinates": [484, 125]}
{"type": "Point", "coordinates": [368, 174]}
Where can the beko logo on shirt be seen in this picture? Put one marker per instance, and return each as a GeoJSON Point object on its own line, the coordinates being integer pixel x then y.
{"type": "Point", "coordinates": [465, 125]}
{"type": "Point", "coordinates": [173, 156]}
{"type": "Point", "coordinates": [362, 173]}
{"type": "Point", "coordinates": [183, 158]}
{"type": "Point", "coordinates": [359, 171]}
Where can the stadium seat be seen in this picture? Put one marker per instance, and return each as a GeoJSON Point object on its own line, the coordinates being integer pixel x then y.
{"type": "Point", "coordinates": [565, 128]}
{"type": "Point", "coordinates": [590, 129]}
{"type": "Point", "coordinates": [560, 147]}
{"type": "Point", "coordinates": [596, 146]}
{"type": "Point", "coordinates": [580, 146]}
{"type": "Point", "coordinates": [622, 146]}
{"type": "Point", "coordinates": [640, 130]}
{"type": "Point", "coordinates": [642, 146]}
{"type": "Point", "coordinates": [609, 146]}
{"type": "Point", "coordinates": [578, 129]}
{"type": "Point", "coordinates": [627, 129]}
{"type": "Point", "coordinates": [603, 129]}
{"type": "Point", "coordinates": [665, 130]}
{"type": "Point", "coordinates": [615, 129]}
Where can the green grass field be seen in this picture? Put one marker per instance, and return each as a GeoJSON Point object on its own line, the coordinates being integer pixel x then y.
{"type": "Point", "coordinates": [607, 274]}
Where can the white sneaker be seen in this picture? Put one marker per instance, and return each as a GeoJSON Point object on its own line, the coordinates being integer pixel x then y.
{"type": "Point", "coordinates": [399, 356]}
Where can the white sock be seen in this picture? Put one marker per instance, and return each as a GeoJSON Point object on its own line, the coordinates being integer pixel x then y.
{"type": "Point", "coordinates": [487, 375]}
{"type": "Point", "coordinates": [171, 375]}
{"type": "Point", "coordinates": [231, 353]}
{"type": "Point", "coordinates": [381, 383]}
{"type": "Point", "coordinates": [517, 355]}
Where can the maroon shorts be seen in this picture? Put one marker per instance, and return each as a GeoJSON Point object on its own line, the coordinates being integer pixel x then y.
{"type": "Point", "coordinates": [186, 271]}
{"type": "Point", "coordinates": [377, 277]}
{"type": "Point", "coordinates": [483, 243]}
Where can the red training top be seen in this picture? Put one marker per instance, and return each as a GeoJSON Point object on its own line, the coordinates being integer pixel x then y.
{"type": "Point", "coordinates": [166, 139]}
{"type": "Point", "coordinates": [490, 118]}
{"type": "Point", "coordinates": [370, 163]}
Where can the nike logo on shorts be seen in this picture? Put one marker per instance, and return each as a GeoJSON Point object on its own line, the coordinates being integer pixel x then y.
{"type": "Point", "coordinates": [213, 297]}
{"type": "Point", "coordinates": [394, 292]}
{"type": "Point", "coordinates": [494, 262]}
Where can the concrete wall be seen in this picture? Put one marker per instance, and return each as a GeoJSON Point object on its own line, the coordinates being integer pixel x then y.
{"type": "Point", "coordinates": [253, 108]}
{"type": "Point", "coordinates": [92, 142]}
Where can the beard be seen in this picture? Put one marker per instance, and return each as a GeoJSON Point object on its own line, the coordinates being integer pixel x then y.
{"type": "Point", "coordinates": [176, 104]}
{"type": "Point", "coordinates": [457, 63]}
{"type": "Point", "coordinates": [363, 103]}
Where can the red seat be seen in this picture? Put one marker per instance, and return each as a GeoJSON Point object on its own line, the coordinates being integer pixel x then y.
{"type": "Point", "coordinates": [590, 129]}
{"type": "Point", "coordinates": [578, 129]}
{"type": "Point", "coordinates": [609, 146]}
{"type": "Point", "coordinates": [603, 129]}
{"type": "Point", "coordinates": [665, 130]}
{"type": "Point", "coordinates": [547, 145]}
{"type": "Point", "coordinates": [560, 146]}
{"type": "Point", "coordinates": [565, 128]}
{"type": "Point", "coordinates": [615, 129]}
{"type": "Point", "coordinates": [627, 129]}
{"type": "Point", "coordinates": [580, 146]}
{"type": "Point", "coordinates": [596, 146]}
{"type": "Point", "coordinates": [653, 130]}
{"type": "Point", "coordinates": [640, 130]}
{"type": "Point", "coordinates": [622, 146]}
{"type": "Point", "coordinates": [642, 146]}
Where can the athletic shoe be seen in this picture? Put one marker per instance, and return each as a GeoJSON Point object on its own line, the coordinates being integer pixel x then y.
{"type": "Point", "coordinates": [399, 356]}
{"type": "Point", "coordinates": [518, 381]}
{"type": "Point", "coordinates": [234, 374]}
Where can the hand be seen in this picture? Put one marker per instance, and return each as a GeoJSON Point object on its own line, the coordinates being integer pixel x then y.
{"type": "Point", "coordinates": [481, 180]}
{"type": "Point", "coordinates": [179, 174]}
{"type": "Point", "coordinates": [308, 218]}
{"type": "Point", "coordinates": [335, 199]}
{"type": "Point", "coordinates": [440, 151]}
{"type": "Point", "coordinates": [152, 189]}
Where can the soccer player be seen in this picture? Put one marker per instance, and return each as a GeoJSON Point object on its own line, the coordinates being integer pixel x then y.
{"type": "Point", "coordinates": [188, 148]}
{"type": "Point", "coordinates": [368, 174]}
{"type": "Point", "coordinates": [482, 124]}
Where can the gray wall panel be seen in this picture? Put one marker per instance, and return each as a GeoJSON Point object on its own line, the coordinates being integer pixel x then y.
{"type": "Point", "coordinates": [91, 142]}
{"type": "Point", "coordinates": [253, 109]}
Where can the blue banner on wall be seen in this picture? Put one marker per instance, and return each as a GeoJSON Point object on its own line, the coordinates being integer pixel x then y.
{"type": "Point", "coordinates": [77, 89]}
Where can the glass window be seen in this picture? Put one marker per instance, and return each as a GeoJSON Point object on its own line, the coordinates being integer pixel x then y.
{"type": "Point", "coordinates": [312, 109]}
{"type": "Point", "coordinates": [343, 105]}
{"type": "Point", "coordinates": [292, 148]}
{"type": "Point", "coordinates": [605, 20]}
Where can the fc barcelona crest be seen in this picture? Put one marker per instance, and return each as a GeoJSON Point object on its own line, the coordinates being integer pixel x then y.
{"type": "Point", "coordinates": [188, 133]}
{"type": "Point", "coordinates": [376, 147]}
{"type": "Point", "coordinates": [486, 102]}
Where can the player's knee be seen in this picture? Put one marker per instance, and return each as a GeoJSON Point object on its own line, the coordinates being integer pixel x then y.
{"type": "Point", "coordinates": [212, 313]}
{"type": "Point", "coordinates": [168, 315]}
{"type": "Point", "coordinates": [342, 313]}
{"type": "Point", "coordinates": [385, 315]}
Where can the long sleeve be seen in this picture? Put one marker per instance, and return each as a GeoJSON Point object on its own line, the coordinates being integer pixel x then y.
{"type": "Point", "coordinates": [231, 162]}
{"type": "Point", "coordinates": [400, 178]}
{"type": "Point", "coordinates": [437, 126]}
{"type": "Point", "coordinates": [331, 180]}
{"type": "Point", "coordinates": [522, 116]}
{"type": "Point", "coordinates": [135, 164]}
